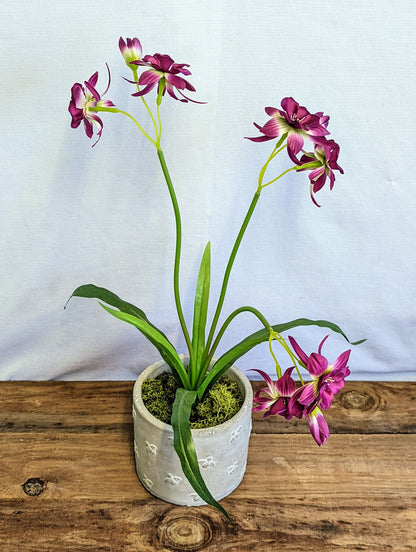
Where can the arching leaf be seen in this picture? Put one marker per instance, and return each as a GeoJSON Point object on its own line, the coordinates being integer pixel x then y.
{"type": "Point", "coordinates": [184, 446]}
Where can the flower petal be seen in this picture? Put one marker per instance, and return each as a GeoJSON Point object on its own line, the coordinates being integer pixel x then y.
{"type": "Point", "coordinates": [265, 376]}
{"type": "Point", "coordinates": [317, 365]}
{"type": "Point", "coordinates": [259, 138]}
{"type": "Point", "coordinates": [318, 426]}
{"type": "Point", "coordinates": [295, 143]}
{"type": "Point", "coordinates": [290, 106]}
{"type": "Point", "coordinates": [150, 77]}
{"type": "Point", "coordinates": [272, 128]}
{"type": "Point", "coordinates": [303, 357]}
{"type": "Point", "coordinates": [92, 81]}
{"type": "Point", "coordinates": [174, 80]}
{"type": "Point", "coordinates": [286, 385]}
{"type": "Point", "coordinates": [307, 394]}
{"type": "Point", "coordinates": [271, 111]}
{"type": "Point", "coordinates": [145, 90]}
{"type": "Point", "coordinates": [341, 361]}
{"type": "Point", "coordinates": [321, 343]}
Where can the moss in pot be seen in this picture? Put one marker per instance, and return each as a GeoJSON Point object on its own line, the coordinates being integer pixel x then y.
{"type": "Point", "coordinates": [221, 402]}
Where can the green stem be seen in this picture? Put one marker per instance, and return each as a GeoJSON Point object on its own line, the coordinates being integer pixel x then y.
{"type": "Point", "coordinates": [228, 270]}
{"type": "Point", "coordinates": [115, 110]}
{"type": "Point", "coordinates": [177, 253]}
{"type": "Point", "coordinates": [136, 80]}
{"type": "Point", "coordinates": [278, 368]}
{"type": "Point", "coordinates": [159, 120]}
{"type": "Point", "coordinates": [221, 331]}
{"type": "Point", "coordinates": [277, 149]}
{"type": "Point", "coordinates": [276, 335]}
{"type": "Point", "coordinates": [295, 168]}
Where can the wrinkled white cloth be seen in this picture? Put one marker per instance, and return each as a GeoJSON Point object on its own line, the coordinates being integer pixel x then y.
{"type": "Point", "coordinates": [72, 215]}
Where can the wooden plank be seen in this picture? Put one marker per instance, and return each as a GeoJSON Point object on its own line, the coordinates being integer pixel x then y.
{"type": "Point", "coordinates": [72, 407]}
{"type": "Point", "coordinates": [100, 466]}
{"type": "Point", "coordinates": [360, 407]}
{"type": "Point", "coordinates": [356, 493]}
{"type": "Point", "coordinates": [289, 524]}
{"type": "Point", "coordinates": [69, 407]}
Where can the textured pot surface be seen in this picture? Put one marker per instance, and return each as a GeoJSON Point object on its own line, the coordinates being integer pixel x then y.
{"type": "Point", "coordinates": [221, 450]}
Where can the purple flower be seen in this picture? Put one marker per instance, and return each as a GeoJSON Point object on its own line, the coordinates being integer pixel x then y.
{"type": "Point", "coordinates": [318, 426]}
{"type": "Point", "coordinates": [277, 395]}
{"type": "Point", "coordinates": [164, 71]}
{"type": "Point", "coordinates": [327, 379]}
{"type": "Point", "coordinates": [326, 158]}
{"type": "Point", "coordinates": [82, 99]}
{"type": "Point", "coordinates": [131, 49]}
{"type": "Point", "coordinates": [295, 121]}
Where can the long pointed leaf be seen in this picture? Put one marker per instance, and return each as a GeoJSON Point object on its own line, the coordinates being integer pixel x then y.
{"type": "Point", "coordinates": [157, 339]}
{"type": "Point", "coordinates": [201, 308]}
{"type": "Point", "coordinates": [184, 446]}
{"type": "Point", "coordinates": [91, 291]}
{"type": "Point", "coordinates": [230, 357]}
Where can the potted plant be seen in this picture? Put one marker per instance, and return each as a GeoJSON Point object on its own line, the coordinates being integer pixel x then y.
{"type": "Point", "coordinates": [194, 376]}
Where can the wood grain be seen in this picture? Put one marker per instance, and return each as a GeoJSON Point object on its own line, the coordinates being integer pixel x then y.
{"type": "Point", "coordinates": [361, 407]}
{"type": "Point", "coordinates": [357, 492]}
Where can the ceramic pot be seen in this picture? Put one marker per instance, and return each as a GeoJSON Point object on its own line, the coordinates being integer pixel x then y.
{"type": "Point", "coordinates": [221, 450]}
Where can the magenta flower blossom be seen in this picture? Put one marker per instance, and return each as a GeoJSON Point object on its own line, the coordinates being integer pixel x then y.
{"type": "Point", "coordinates": [131, 49]}
{"type": "Point", "coordinates": [295, 121]}
{"type": "Point", "coordinates": [327, 379]}
{"type": "Point", "coordinates": [277, 395]}
{"type": "Point", "coordinates": [326, 157]}
{"type": "Point", "coordinates": [164, 71]}
{"type": "Point", "coordinates": [318, 426]}
{"type": "Point", "coordinates": [82, 99]}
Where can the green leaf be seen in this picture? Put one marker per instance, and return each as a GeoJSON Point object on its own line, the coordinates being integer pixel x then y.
{"type": "Point", "coordinates": [91, 291]}
{"type": "Point", "coordinates": [231, 356]}
{"type": "Point", "coordinates": [201, 308]}
{"type": "Point", "coordinates": [157, 339]}
{"type": "Point", "coordinates": [153, 334]}
{"type": "Point", "coordinates": [184, 446]}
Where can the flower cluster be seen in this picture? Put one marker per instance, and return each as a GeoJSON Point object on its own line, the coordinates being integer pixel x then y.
{"type": "Point", "coordinates": [297, 123]}
{"type": "Point", "coordinates": [161, 71]}
{"type": "Point", "coordinates": [311, 398]}
{"type": "Point", "coordinates": [293, 122]}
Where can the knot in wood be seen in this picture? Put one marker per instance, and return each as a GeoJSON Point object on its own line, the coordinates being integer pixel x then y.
{"type": "Point", "coordinates": [185, 533]}
{"type": "Point", "coordinates": [357, 400]}
{"type": "Point", "coordinates": [34, 486]}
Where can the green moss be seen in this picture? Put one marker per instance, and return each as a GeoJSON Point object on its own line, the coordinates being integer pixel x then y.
{"type": "Point", "coordinates": [158, 395]}
{"type": "Point", "coordinates": [221, 403]}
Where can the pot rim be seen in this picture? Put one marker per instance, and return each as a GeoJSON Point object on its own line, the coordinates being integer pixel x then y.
{"type": "Point", "coordinates": [141, 408]}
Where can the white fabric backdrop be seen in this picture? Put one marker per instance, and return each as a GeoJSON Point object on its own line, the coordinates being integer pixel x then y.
{"type": "Point", "coordinates": [72, 215]}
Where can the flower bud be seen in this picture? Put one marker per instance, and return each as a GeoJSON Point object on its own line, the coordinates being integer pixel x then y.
{"type": "Point", "coordinates": [131, 50]}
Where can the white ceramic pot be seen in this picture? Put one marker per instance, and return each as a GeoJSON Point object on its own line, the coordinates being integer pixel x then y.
{"type": "Point", "coordinates": [221, 450]}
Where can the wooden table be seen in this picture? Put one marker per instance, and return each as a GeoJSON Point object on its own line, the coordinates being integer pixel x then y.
{"type": "Point", "coordinates": [68, 482]}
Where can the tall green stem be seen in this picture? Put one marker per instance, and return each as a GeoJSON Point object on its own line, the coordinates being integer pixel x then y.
{"type": "Point", "coordinates": [277, 149]}
{"type": "Point", "coordinates": [229, 267]}
{"type": "Point", "coordinates": [177, 253]}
